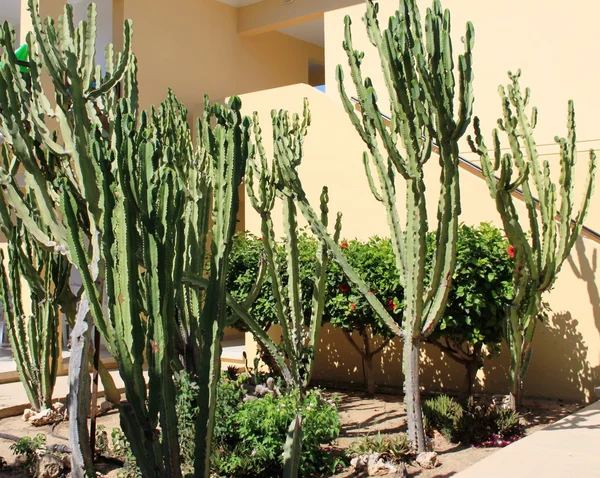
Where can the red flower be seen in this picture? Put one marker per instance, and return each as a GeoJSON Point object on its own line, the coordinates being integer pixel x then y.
{"type": "Point", "coordinates": [343, 288]}
{"type": "Point", "coordinates": [390, 305]}
{"type": "Point", "coordinates": [344, 245]}
{"type": "Point", "coordinates": [260, 239]}
{"type": "Point", "coordinates": [511, 251]}
{"type": "Point", "coordinates": [352, 306]}
{"type": "Point", "coordinates": [373, 292]}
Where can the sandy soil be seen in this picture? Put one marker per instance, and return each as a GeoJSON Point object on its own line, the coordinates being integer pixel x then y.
{"type": "Point", "coordinates": [360, 416]}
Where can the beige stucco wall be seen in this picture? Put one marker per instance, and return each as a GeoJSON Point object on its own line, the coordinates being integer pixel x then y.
{"type": "Point", "coordinates": [193, 46]}
{"type": "Point", "coordinates": [566, 358]}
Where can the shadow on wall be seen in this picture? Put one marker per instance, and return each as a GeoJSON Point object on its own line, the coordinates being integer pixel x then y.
{"type": "Point", "coordinates": [560, 363]}
{"type": "Point", "coordinates": [339, 365]}
{"type": "Point", "coordinates": [586, 271]}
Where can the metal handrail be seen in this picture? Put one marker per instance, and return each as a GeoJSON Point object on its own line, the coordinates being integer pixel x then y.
{"type": "Point", "coordinates": [476, 170]}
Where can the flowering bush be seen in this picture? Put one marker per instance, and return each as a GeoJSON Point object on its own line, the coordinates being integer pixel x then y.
{"type": "Point", "coordinates": [482, 285]}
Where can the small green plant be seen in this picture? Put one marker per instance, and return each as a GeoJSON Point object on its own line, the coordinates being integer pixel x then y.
{"type": "Point", "coordinates": [508, 424]}
{"type": "Point", "coordinates": [102, 444]}
{"type": "Point", "coordinates": [442, 413]}
{"type": "Point", "coordinates": [28, 447]}
{"type": "Point", "coordinates": [395, 448]}
{"type": "Point", "coordinates": [121, 449]}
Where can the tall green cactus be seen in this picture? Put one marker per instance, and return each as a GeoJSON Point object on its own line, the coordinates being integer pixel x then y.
{"type": "Point", "coordinates": [125, 196]}
{"type": "Point", "coordinates": [295, 356]}
{"type": "Point", "coordinates": [418, 69]}
{"type": "Point", "coordinates": [299, 335]}
{"type": "Point", "coordinates": [540, 247]}
{"type": "Point", "coordinates": [33, 335]}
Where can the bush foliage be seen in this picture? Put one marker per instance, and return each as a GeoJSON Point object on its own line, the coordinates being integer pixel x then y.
{"type": "Point", "coordinates": [482, 285]}
{"type": "Point", "coordinates": [472, 424]}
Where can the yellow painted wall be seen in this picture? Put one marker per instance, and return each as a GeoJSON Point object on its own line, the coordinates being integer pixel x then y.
{"type": "Point", "coordinates": [566, 357]}
{"type": "Point", "coordinates": [193, 46]}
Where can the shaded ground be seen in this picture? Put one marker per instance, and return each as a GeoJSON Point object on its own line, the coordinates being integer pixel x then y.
{"type": "Point", "coordinates": [360, 416]}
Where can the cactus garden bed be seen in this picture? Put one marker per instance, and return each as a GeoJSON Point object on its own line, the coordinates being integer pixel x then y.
{"type": "Point", "coordinates": [359, 416]}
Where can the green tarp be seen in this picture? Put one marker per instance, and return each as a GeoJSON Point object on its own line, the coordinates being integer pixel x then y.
{"type": "Point", "coordinates": [22, 54]}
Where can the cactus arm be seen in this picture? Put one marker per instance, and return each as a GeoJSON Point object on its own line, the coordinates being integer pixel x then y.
{"type": "Point", "coordinates": [445, 259]}
{"type": "Point", "coordinates": [372, 186]}
{"type": "Point", "coordinates": [125, 59]}
{"type": "Point", "coordinates": [292, 448]}
{"type": "Point", "coordinates": [14, 321]}
{"type": "Point", "coordinates": [13, 196]}
{"type": "Point", "coordinates": [46, 40]}
{"type": "Point", "coordinates": [293, 268]}
{"type": "Point", "coordinates": [254, 291]}
{"type": "Point", "coordinates": [338, 256]}
{"type": "Point", "coordinates": [319, 287]}
{"type": "Point", "coordinates": [466, 96]}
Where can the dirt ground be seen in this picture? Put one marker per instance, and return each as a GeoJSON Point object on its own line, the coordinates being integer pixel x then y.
{"type": "Point", "coordinates": [385, 414]}
{"type": "Point", "coordinates": [360, 416]}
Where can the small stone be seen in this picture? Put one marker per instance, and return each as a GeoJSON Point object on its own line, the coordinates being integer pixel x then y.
{"type": "Point", "coordinates": [376, 466]}
{"type": "Point", "coordinates": [248, 398]}
{"type": "Point", "coordinates": [359, 463]}
{"type": "Point", "coordinates": [106, 407]}
{"type": "Point", "coordinates": [49, 466]}
{"type": "Point", "coordinates": [45, 417]}
{"type": "Point", "coordinates": [27, 414]}
{"type": "Point", "coordinates": [427, 460]}
{"type": "Point", "coordinates": [59, 407]}
{"type": "Point", "coordinates": [261, 390]}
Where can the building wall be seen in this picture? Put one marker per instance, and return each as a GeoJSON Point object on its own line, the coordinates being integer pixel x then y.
{"type": "Point", "coordinates": [193, 46]}
{"type": "Point", "coordinates": [566, 356]}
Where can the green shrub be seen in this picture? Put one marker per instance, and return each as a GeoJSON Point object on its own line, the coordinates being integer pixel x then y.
{"type": "Point", "coordinates": [250, 440]}
{"type": "Point", "coordinates": [442, 413]}
{"type": "Point", "coordinates": [507, 424]}
{"type": "Point", "coordinates": [394, 448]}
{"type": "Point", "coordinates": [473, 424]}
{"type": "Point", "coordinates": [28, 447]}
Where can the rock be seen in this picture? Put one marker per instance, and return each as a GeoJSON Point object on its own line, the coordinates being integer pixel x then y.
{"type": "Point", "coordinates": [27, 414]}
{"type": "Point", "coordinates": [374, 465]}
{"type": "Point", "coordinates": [45, 417]}
{"type": "Point", "coordinates": [501, 401]}
{"type": "Point", "coordinates": [248, 398]}
{"type": "Point", "coordinates": [49, 466]}
{"type": "Point", "coordinates": [106, 407]}
{"type": "Point", "coordinates": [427, 459]}
{"type": "Point", "coordinates": [261, 390]}
{"type": "Point", "coordinates": [271, 386]}
{"type": "Point", "coordinates": [59, 407]}
{"type": "Point", "coordinates": [248, 387]}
